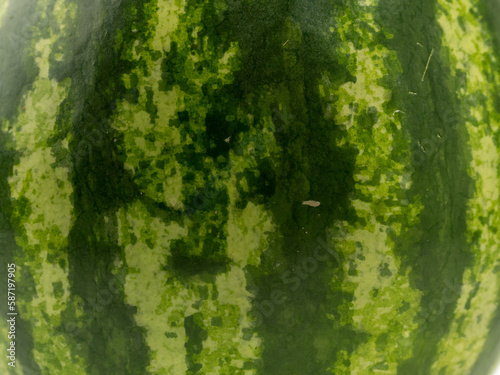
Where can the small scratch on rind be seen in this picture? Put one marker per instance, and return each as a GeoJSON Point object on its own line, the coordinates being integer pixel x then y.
{"type": "Point", "coordinates": [285, 43]}
{"type": "Point", "coordinates": [412, 93]}
{"type": "Point", "coordinates": [427, 65]}
{"type": "Point", "coordinates": [422, 147]}
{"type": "Point", "coordinates": [419, 44]}
{"type": "Point", "coordinates": [311, 203]}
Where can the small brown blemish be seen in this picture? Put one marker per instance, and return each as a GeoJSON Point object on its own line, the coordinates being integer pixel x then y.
{"type": "Point", "coordinates": [311, 203]}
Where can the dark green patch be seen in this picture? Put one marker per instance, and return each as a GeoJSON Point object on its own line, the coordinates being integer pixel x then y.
{"type": "Point", "coordinates": [108, 325]}
{"type": "Point", "coordinates": [384, 270]}
{"type": "Point", "coordinates": [404, 307]}
{"type": "Point", "coordinates": [150, 106]}
{"type": "Point", "coordinates": [195, 335]}
{"type": "Point", "coordinates": [436, 249]}
{"type": "Point", "coordinates": [472, 294]}
{"type": "Point", "coordinates": [217, 321]}
{"type": "Point", "coordinates": [188, 266]}
{"type": "Point", "coordinates": [58, 289]}
{"type": "Point", "coordinates": [308, 166]}
{"type": "Point", "coordinates": [381, 343]}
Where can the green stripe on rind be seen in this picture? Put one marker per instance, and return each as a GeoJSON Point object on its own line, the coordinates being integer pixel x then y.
{"type": "Point", "coordinates": [113, 341]}
{"type": "Point", "coordinates": [151, 127]}
{"type": "Point", "coordinates": [141, 234]}
{"type": "Point", "coordinates": [41, 188]}
{"type": "Point", "coordinates": [436, 250]}
{"type": "Point", "coordinates": [205, 319]}
{"type": "Point", "coordinates": [219, 305]}
{"type": "Point", "coordinates": [471, 53]}
{"type": "Point", "coordinates": [161, 136]}
{"type": "Point", "coordinates": [143, 135]}
{"type": "Point", "coordinates": [384, 303]}
{"type": "Point", "coordinates": [170, 153]}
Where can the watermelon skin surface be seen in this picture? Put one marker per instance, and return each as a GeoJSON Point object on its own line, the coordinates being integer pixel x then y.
{"type": "Point", "coordinates": [251, 187]}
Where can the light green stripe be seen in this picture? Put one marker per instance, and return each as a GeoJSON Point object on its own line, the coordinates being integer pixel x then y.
{"type": "Point", "coordinates": [162, 302]}
{"type": "Point", "coordinates": [384, 305]}
{"type": "Point", "coordinates": [42, 191]}
{"type": "Point", "coordinates": [247, 228]}
{"type": "Point", "coordinates": [471, 52]}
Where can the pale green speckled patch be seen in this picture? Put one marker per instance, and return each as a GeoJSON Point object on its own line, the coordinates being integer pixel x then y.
{"type": "Point", "coordinates": [42, 190]}
{"type": "Point", "coordinates": [247, 228]}
{"type": "Point", "coordinates": [471, 52]}
{"type": "Point", "coordinates": [384, 305]}
{"type": "Point", "coordinates": [162, 302]}
{"type": "Point", "coordinates": [162, 313]}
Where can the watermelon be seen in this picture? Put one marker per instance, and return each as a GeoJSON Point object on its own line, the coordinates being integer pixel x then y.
{"type": "Point", "coordinates": [250, 187]}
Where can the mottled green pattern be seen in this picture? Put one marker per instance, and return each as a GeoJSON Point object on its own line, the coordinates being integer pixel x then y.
{"type": "Point", "coordinates": [42, 211]}
{"type": "Point", "coordinates": [478, 301]}
{"type": "Point", "coordinates": [384, 303]}
{"type": "Point", "coordinates": [251, 187]}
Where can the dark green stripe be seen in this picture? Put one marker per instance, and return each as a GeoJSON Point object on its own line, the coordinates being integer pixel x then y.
{"type": "Point", "coordinates": [109, 338]}
{"type": "Point", "coordinates": [306, 165]}
{"type": "Point", "coordinates": [297, 336]}
{"type": "Point", "coordinates": [436, 251]}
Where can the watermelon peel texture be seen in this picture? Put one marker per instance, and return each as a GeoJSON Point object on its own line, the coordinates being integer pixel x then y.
{"type": "Point", "coordinates": [250, 187]}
